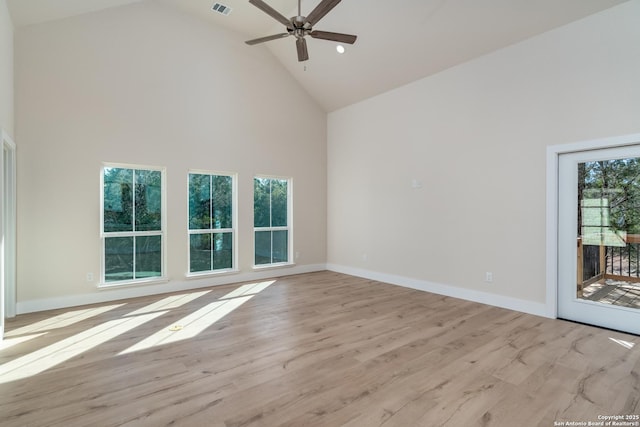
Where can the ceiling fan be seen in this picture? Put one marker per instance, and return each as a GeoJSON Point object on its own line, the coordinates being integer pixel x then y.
{"type": "Point", "coordinates": [301, 26]}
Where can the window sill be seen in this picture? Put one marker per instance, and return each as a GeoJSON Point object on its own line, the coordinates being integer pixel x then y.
{"type": "Point", "coordinates": [207, 274]}
{"type": "Point", "coordinates": [130, 283]}
{"type": "Point", "coordinates": [274, 266]}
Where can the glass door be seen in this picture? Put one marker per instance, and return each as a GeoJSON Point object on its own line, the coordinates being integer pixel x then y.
{"type": "Point", "coordinates": [599, 237]}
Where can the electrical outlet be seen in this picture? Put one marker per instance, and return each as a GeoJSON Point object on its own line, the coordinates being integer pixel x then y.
{"type": "Point", "coordinates": [89, 277]}
{"type": "Point", "coordinates": [488, 277]}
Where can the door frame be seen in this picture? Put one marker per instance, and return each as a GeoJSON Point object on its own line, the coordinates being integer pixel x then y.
{"type": "Point", "coordinates": [8, 225]}
{"type": "Point", "coordinates": [552, 217]}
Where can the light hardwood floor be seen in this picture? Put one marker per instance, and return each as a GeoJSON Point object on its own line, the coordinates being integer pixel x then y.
{"type": "Point", "coordinates": [320, 349]}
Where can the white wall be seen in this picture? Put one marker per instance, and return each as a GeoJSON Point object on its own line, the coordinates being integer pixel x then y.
{"type": "Point", "coordinates": [145, 84]}
{"type": "Point", "coordinates": [6, 69]}
{"type": "Point", "coordinates": [475, 136]}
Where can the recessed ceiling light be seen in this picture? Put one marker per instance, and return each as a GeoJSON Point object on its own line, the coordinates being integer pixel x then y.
{"type": "Point", "coordinates": [340, 48]}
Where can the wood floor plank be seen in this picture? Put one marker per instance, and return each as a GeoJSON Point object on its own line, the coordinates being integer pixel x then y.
{"type": "Point", "coordinates": [319, 349]}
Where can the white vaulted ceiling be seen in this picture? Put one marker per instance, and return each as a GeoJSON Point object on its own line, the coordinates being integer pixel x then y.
{"type": "Point", "coordinates": [399, 41]}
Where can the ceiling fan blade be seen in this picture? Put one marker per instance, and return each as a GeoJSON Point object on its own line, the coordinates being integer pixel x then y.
{"type": "Point", "coordinates": [322, 9]}
{"type": "Point", "coordinates": [336, 37]}
{"type": "Point", "coordinates": [267, 38]}
{"type": "Point", "coordinates": [271, 12]}
{"type": "Point", "coordinates": [301, 45]}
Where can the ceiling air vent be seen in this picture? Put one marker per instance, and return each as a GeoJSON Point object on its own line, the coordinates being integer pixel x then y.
{"type": "Point", "coordinates": [222, 9]}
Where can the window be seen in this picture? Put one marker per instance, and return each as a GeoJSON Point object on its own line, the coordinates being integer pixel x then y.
{"type": "Point", "coordinates": [211, 222]}
{"type": "Point", "coordinates": [271, 220]}
{"type": "Point", "coordinates": [132, 224]}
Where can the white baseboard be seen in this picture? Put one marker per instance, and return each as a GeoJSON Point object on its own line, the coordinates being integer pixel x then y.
{"type": "Point", "coordinates": [113, 294]}
{"type": "Point", "coordinates": [530, 307]}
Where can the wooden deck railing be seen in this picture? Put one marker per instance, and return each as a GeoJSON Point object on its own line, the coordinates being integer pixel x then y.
{"type": "Point", "coordinates": [616, 263]}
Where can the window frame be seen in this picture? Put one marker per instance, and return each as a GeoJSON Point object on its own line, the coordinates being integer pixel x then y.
{"type": "Point", "coordinates": [233, 230]}
{"type": "Point", "coordinates": [288, 227]}
{"type": "Point", "coordinates": [163, 278]}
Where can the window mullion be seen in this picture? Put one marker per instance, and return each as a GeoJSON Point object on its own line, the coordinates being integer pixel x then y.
{"type": "Point", "coordinates": [133, 220]}
{"type": "Point", "coordinates": [135, 240]}
{"type": "Point", "coordinates": [210, 202]}
{"type": "Point", "coordinates": [271, 218]}
{"type": "Point", "coordinates": [134, 233]}
{"type": "Point", "coordinates": [213, 230]}
{"type": "Point", "coordinates": [133, 202]}
{"type": "Point", "coordinates": [271, 232]}
{"type": "Point", "coordinates": [211, 222]}
{"type": "Point", "coordinates": [270, 202]}
{"type": "Point", "coordinates": [118, 234]}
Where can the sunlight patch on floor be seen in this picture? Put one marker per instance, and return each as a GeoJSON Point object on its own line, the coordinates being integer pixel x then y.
{"type": "Point", "coordinates": [61, 320]}
{"type": "Point", "coordinates": [248, 289]}
{"type": "Point", "coordinates": [173, 301]}
{"type": "Point", "coordinates": [10, 342]}
{"type": "Point", "coordinates": [54, 354]}
{"type": "Point", "coordinates": [193, 324]}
